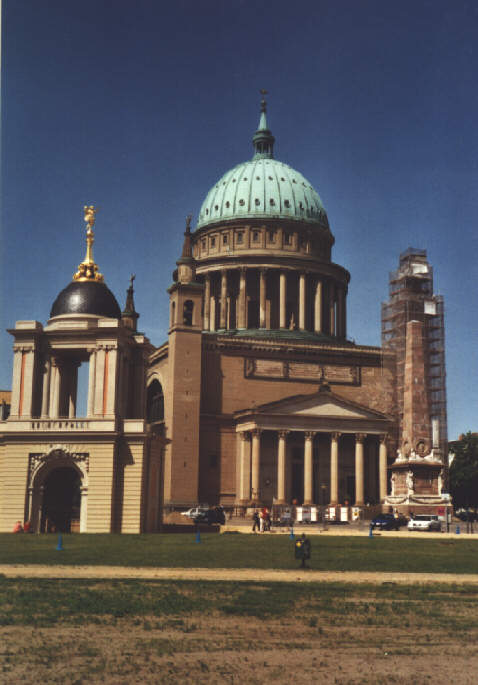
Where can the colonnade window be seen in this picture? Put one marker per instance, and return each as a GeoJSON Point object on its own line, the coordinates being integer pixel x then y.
{"type": "Point", "coordinates": [155, 402]}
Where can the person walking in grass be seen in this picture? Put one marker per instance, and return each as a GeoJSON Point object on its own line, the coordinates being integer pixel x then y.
{"type": "Point", "coordinates": [255, 521]}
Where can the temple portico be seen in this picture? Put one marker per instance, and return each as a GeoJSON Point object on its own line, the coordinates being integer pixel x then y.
{"type": "Point", "coordinates": [322, 452]}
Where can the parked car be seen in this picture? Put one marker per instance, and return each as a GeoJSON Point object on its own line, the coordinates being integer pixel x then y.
{"type": "Point", "coordinates": [386, 522]}
{"type": "Point", "coordinates": [424, 522]}
{"type": "Point", "coordinates": [194, 512]}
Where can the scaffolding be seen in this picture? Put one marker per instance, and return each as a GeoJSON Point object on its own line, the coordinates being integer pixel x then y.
{"type": "Point", "coordinates": [411, 297]}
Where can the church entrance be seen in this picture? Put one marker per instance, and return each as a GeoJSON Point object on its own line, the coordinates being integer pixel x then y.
{"type": "Point", "coordinates": [61, 501]}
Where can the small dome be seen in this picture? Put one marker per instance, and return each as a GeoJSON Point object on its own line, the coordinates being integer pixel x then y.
{"type": "Point", "coordinates": [262, 188]}
{"type": "Point", "coordinates": [86, 297]}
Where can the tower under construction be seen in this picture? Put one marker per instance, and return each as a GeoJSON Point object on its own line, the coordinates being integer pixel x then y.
{"type": "Point", "coordinates": [411, 298]}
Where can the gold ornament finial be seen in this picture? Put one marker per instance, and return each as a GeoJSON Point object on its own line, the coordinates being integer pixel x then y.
{"type": "Point", "coordinates": [88, 270]}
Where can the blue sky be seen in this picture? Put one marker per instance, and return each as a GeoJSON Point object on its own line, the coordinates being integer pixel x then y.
{"type": "Point", "coordinates": [140, 106]}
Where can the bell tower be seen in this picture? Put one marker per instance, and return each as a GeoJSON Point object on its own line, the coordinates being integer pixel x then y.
{"type": "Point", "coordinates": [181, 468]}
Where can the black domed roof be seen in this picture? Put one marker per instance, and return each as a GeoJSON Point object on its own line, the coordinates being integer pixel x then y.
{"type": "Point", "coordinates": [86, 297]}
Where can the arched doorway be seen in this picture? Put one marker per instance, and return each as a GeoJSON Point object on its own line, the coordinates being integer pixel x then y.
{"type": "Point", "coordinates": [61, 500]}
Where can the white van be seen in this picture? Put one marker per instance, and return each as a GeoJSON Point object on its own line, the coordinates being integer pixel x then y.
{"type": "Point", "coordinates": [424, 522]}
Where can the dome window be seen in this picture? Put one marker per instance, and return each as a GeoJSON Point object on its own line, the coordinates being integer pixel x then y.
{"type": "Point", "coordinates": [286, 203]}
{"type": "Point", "coordinates": [257, 202]}
{"type": "Point", "coordinates": [301, 206]}
{"type": "Point", "coordinates": [272, 202]}
{"type": "Point", "coordinates": [258, 178]}
{"type": "Point", "coordinates": [207, 212]}
{"type": "Point", "coordinates": [233, 180]}
{"type": "Point", "coordinates": [228, 204]}
{"type": "Point", "coordinates": [245, 178]}
{"type": "Point", "coordinates": [216, 207]}
{"type": "Point", "coordinates": [241, 202]}
{"type": "Point", "coordinates": [282, 178]}
{"type": "Point", "coordinates": [270, 178]}
{"type": "Point", "coordinates": [294, 181]}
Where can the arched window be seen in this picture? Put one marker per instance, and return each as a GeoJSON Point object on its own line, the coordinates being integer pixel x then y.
{"type": "Point", "coordinates": [173, 314]}
{"type": "Point", "coordinates": [188, 313]}
{"type": "Point", "coordinates": [155, 402]}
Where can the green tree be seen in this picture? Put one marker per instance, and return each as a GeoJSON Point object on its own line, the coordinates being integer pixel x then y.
{"type": "Point", "coordinates": [464, 471]}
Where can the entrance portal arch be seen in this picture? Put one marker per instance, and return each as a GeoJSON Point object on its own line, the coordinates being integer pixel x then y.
{"type": "Point", "coordinates": [57, 491]}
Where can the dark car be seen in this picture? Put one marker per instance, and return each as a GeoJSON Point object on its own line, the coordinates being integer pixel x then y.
{"type": "Point", "coordinates": [213, 515]}
{"type": "Point", "coordinates": [386, 522]}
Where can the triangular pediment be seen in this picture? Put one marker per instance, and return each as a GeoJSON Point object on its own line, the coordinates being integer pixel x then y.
{"type": "Point", "coordinates": [318, 405]}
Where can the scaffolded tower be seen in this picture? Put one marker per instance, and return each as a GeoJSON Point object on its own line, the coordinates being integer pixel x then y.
{"type": "Point", "coordinates": [412, 298]}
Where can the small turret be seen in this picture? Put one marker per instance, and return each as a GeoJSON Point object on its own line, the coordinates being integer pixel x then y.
{"type": "Point", "coordinates": [186, 263]}
{"type": "Point", "coordinates": [129, 315]}
{"type": "Point", "coordinates": [263, 140]}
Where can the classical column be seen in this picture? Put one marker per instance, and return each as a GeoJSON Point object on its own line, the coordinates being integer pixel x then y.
{"type": "Point", "coordinates": [223, 314]}
{"type": "Point", "coordinates": [16, 382]}
{"type": "Point", "coordinates": [282, 299]}
{"type": "Point", "coordinates": [26, 382]}
{"type": "Point", "coordinates": [45, 398]}
{"type": "Point", "coordinates": [84, 510]}
{"type": "Point", "coordinates": [302, 302]}
{"type": "Point", "coordinates": [212, 313]}
{"type": "Point", "coordinates": [339, 323]}
{"type": "Point", "coordinates": [382, 467]}
{"type": "Point", "coordinates": [262, 298]}
{"type": "Point", "coordinates": [281, 448]}
{"type": "Point", "coordinates": [359, 488]}
{"type": "Point", "coordinates": [245, 468]}
{"type": "Point", "coordinates": [241, 318]}
{"type": "Point", "coordinates": [91, 384]}
{"type": "Point", "coordinates": [207, 301]}
{"type": "Point", "coordinates": [332, 309]}
{"type": "Point", "coordinates": [334, 468]}
{"type": "Point", "coordinates": [256, 458]}
{"type": "Point", "coordinates": [318, 308]}
{"type": "Point", "coordinates": [72, 388]}
{"type": "Point", "coordinates": [112, 376]}
{"type": "Point", "coordinates": [308, 468]}
{"type": "Point", "coordinates": [55, 384]}
{"type": "Point", "coordinates": [99, 381]}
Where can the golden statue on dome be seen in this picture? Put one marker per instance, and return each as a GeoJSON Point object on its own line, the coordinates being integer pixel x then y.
{"type": "Point", "coordinates": [88, 270]}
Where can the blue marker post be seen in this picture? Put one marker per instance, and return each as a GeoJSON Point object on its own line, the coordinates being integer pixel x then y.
{"type": "Point", "coordinates": [370, 531]}
{"type": "Point", "coordinates": [198, 535]}
{"type": "Point", "coordinates": [59, 547]}
{"type": "Point", "coordinates": [458, 530]}
{"type": "Point", "coordinates": [292, 536]}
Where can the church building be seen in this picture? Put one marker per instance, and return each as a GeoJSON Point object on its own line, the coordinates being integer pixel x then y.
{"type": "Point", "coordinates": [256, 398]}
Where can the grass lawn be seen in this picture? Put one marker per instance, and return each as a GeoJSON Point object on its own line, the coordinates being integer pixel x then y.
{"type": "Point", "coordinates": [244, 551]}
{"type": "Point", "coordinates": [77, 632]}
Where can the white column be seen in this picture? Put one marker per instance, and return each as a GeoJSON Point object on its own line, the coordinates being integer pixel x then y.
{"type": "Point", "coordinates": [111, 384]}
{"type": "Point", "coordinates": [84, 510]}
{"type": "Point", "coordinates": [281, 451]}
{"type": "Point", "coordinates": [27, 382]}
{"type": "Point", "coordinates": [332, 309]}
{"type": "Point", "coordinates": [223, 311]}
{"type": "Point", "coordinates": [207, 302]}
{"type": "Point", "coordinates": [382, 467]}
{"type": "Point", "coordinates": [302, 283]}
{"type": "Point", "coordinates": [334, 468]}
{"type": "Point", "coordinates": [245, 468]}
{"type": "Point", "coordinates": [55, 389]}
{"type": "Point", "coordinates": [262, 298]}
{"type": "Point", "coordinates": [318, 308]}
{"type": "Point", "coordinates": [241, 316]}
{"type": "Point", "coordinates": [91, 384]}
{"type": "Point", "coordinates": [45, 399]}
{"type": "Point", "coordinates": [212, 313]}
{"type": "Point", "coordinates": [256, 459]}
{"type": "Point", "coordinates": [359, 481]}
{"type": "Point", "coordinates": [308, 468]}
{"type": "Point", "coordinates": [16, 381]}
{"type": "Point", "coordinates": [99, 380]}
{"type": "Point", "coordinates": [282, 299]}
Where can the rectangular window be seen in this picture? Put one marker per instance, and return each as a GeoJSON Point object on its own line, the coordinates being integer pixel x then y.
{"type": "Point", "coordinates": [287, 239]}
{"type": "Point", "coordinates": [272, 236]}
{"type": "Point", "coordinates": [213, 242]}
{"type": "Point", "coordinates": [239, 238]}
{"type": "Point", "coordinates": [255, 236]}
{"type": "Point", "coordinates": [224, 239]}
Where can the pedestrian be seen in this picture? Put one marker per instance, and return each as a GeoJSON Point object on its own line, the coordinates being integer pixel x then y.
{"type": "Point", "coordinates": [255, 521]}
{"type": "Point", "coordinates": [18, 528]}
{"type": "Point", "coordinates": [302, 549]}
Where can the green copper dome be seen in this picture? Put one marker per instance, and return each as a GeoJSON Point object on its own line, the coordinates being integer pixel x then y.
{"type": "Point", "coordinates": [262, 188]}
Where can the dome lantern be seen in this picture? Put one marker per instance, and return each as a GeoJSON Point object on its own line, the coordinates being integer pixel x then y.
{"type": "Point", "coordinates": [263, 139]}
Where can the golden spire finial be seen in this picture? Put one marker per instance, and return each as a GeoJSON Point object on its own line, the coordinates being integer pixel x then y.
{"type": "Point", "coordinates": [88, 270]}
